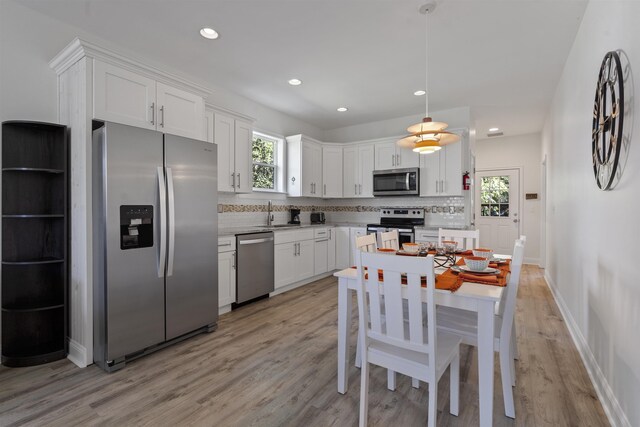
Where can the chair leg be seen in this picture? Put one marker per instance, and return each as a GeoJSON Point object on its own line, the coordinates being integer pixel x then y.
{"type": "Point", "coordinates": [507, 380]}
{"type": "Point", "coordinates": [358, 350]}
{"type": "Point", "coordinates": [514, 342]}
{"type": "Point", "coordinates": [433, 402]}
{"type": "Point", "coordinates": [364, 394]}
{"type": "Point", "coordinates": [454, 385]}
{"type": "Point", "coordinates": [415, 383]}
{"type": "Point", "coordinates": [391, 380]}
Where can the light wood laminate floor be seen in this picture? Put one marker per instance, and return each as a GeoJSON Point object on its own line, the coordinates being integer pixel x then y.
{"type": "Point", "coordinates": [273, 363]}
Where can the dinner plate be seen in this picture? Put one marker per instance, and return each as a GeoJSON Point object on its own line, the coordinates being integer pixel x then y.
{"type": "Point", "coordinates": [487, 270]}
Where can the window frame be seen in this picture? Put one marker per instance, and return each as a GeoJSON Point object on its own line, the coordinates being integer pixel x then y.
{"type": "Point", "coordinates": [278, 161]}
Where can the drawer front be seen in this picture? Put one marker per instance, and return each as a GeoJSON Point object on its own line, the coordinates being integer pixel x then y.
{"type": "Point", "coordinates": [320, 233]}
{"type": "Point", "coordinates": [289, 236]}
{"type": "Point", "coordinates": [226, 244]}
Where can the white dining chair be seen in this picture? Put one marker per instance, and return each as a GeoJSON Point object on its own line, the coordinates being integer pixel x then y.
{"type": "Point", "coordinates": [465, 324]}
{"type": "Point", "coordinates": [390, 239]}
{"type": "Point", "coordinates": [366, 243]}
{"type": "Point", "coordinates": [467, 239]}
{"type": "Point", "coordinates": [398, 340]}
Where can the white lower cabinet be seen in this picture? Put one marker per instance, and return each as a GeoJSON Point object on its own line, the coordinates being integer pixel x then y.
{"type": "Point", "coordinates": [342, 247]}
{"type": "Point", "coordinates": [294, 256]}
{"type": "Point", "coordinates": [331, 250]}
{"type": "Point", "coordinates": [226, 271]}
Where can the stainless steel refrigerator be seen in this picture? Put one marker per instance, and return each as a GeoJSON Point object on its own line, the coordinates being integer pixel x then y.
{"type": "Point", "coordinates": [155, 225]}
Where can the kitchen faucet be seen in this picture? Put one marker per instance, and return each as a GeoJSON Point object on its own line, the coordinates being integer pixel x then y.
{"type": "Point", "coordinates": [269, 214]}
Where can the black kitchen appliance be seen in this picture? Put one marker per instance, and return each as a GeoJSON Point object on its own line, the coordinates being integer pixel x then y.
{"type": "Point", "coordinates": [403, 219]}
{"type": "Point", "coordinates": [317, 218]}
{"type": "Point", "coordinates": [295, 216]}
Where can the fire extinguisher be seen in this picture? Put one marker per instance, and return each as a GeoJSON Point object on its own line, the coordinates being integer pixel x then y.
{"type": "Point", "coordinates": [466, 181]}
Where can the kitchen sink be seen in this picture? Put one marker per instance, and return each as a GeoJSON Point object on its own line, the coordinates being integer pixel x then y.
{"type": "Point", "coordinates": [284, 226]}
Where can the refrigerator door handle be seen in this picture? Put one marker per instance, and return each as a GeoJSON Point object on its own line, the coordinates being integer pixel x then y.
{"type": "Point", "coordinates": [172, 222]}
{"type": "Point", "coordinates": [162, 193]}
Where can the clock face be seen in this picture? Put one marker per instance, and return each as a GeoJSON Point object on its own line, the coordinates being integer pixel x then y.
{"type": "Point", "coordinates": [608, 114]}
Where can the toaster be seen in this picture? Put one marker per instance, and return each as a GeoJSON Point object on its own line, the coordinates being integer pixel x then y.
{"type": "Point", "coordinates": [317, 218]}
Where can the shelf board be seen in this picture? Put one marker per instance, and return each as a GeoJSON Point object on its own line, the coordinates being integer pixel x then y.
{"type": "Point", "coordinates": [41, 170]}
{"type": "Point", "coordinates": [38, 261]}
{"type": "Point", "coordinates": [33, 216]}
{"type": "Point", "coordinates": [25, 310]}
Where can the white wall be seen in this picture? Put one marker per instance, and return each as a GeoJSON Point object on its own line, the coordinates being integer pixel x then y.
{"type": "Point", "coordinates": [518, 151]}
{"type": "Point", "coordinates": [592, 236]}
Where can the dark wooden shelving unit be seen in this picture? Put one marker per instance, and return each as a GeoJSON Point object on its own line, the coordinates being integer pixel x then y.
{"type": "Point", "coordinates": [34, 242]}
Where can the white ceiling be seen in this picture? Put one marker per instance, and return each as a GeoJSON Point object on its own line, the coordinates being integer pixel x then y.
{"type": "Point", "coordinates": [501, 58]}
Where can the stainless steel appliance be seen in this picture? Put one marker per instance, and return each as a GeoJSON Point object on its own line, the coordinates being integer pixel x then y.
{"type": "Point", "coordinates": [402, 219]}
{"type": "Point", "coordinates": [155, 241]}
{"type": "Point", "coordinates": [396, 182]}
{"type": "Point", "coordinates": [254, 270]}
{"type": "Point", "coordinates": [317, 218]}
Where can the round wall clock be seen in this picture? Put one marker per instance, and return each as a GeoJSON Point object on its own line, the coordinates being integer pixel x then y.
{"type": "Point", "coordinates": [607, 130]}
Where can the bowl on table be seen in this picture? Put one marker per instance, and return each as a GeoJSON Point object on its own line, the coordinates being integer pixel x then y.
{"type": "Point", "coordinates": [450, 246]}
{"type": "Point", "coordinates": [477, 263]}
{"type": "Point", "coordinates": [411, 247]}
{"type": "Point", "coordinates": [483, 252]}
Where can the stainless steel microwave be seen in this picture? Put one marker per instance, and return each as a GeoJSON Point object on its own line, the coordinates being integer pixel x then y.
{"type": "Point", "coordinates": [396, 182]}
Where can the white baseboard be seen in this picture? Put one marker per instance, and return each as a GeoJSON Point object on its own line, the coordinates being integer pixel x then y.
{"type": "Point", "coordinates": [77, 353]}
{"type": "Point", "coordinates": [610, 404]}
{"type": "Point", "coordinates": [300, 283]}
{"type": "Point", "coordinates": [534, 261]}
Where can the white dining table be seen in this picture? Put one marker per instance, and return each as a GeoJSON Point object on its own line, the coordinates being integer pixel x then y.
{"type": "Point", "coordinates": [482, 299]}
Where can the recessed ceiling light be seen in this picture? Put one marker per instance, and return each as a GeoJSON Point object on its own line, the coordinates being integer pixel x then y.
{"type": "Point", "coordinates": [494, 129]}
{"type": "Point", "coordinates": [295, 82]}
{"type": "Point", "coordinates": [209, 33]}
{"type": "Point", "coordinates": [419, 93]}
{"type": "Point", "coordinates": [342, 109]}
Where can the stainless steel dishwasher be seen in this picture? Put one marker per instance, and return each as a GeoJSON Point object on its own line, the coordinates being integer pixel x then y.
{"type": "Point", "coordinates": [254, 270]}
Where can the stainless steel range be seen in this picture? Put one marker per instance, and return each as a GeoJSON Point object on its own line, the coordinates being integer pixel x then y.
{"type": "Point", "coordinates": [403, 219]}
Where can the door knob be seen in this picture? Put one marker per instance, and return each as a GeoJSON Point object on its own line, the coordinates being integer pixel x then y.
{"type": "Point", "coordinates": [515, 220]}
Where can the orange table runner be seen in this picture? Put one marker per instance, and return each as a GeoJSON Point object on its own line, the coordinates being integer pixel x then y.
{"type": "Point", "coordinates": [452, 281]}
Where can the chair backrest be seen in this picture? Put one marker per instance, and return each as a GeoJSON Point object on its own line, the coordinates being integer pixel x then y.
{"type": "Point", "coordinates": [419, 300]}
{"type": "Point", "coordinates": [511, 291]}
{"type": "Point", "coordinates": [366, 243]}
{"type": "Point", "coordinates": [467, 239]}
{"type": "Point", "coordinates": [390, 239]}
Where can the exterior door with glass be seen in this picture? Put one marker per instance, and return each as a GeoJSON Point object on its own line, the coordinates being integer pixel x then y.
{"type": "Point", "coordinates": [498, 208]}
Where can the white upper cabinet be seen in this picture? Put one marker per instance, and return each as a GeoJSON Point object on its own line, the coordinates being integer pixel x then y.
{"type": "Point", "coordinates": [179, 112]}
{"type": "Point", "coordinates": [390, 156]}
{"type": "Point", "coordinates": [123, 97]}
{"type": "Point", "coordinates": [304, 164]}
{"type": "Point", "coordinates": [130, 98]}
{"type": "Point", "coordinates": [331, 171]}
{"type": "Point", "coordinates": [441, 172]}
{"type": "Point", "coordinates": [358, 164]}
{"type": "Point", "coordinates": [233, 138]}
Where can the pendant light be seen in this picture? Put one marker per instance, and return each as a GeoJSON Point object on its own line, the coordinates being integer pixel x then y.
{"type": "Point", "coordinates": [427, 136]}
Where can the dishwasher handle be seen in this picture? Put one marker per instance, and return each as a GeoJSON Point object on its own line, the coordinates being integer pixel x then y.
{"type": "Point", "coordinates": [255, 241]}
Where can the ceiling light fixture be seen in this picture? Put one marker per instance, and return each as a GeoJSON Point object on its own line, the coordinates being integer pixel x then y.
{"type": "Point", "coordinates": [419, 93]}
{"type": "Point", "coordinates": [209, 33]}
{"type": "Point", "coordinates": [342, 109]}
{"type": "Point", "coordinates": [494, 129]}
{"type": "Point", "coordinates": [295, 82]}
{"type": "Point", "coordinates": [427, 136]}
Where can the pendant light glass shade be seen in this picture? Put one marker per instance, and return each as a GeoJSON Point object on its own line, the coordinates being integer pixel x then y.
{"type": "Point", "coordinates": [427, 136]}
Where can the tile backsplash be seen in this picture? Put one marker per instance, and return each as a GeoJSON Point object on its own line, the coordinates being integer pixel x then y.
{"type": "Point", "coordinates": [251, 209]}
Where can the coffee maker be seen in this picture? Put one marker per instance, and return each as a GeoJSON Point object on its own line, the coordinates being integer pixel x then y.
{"type": "Point", "coordinates": [295, 216]}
